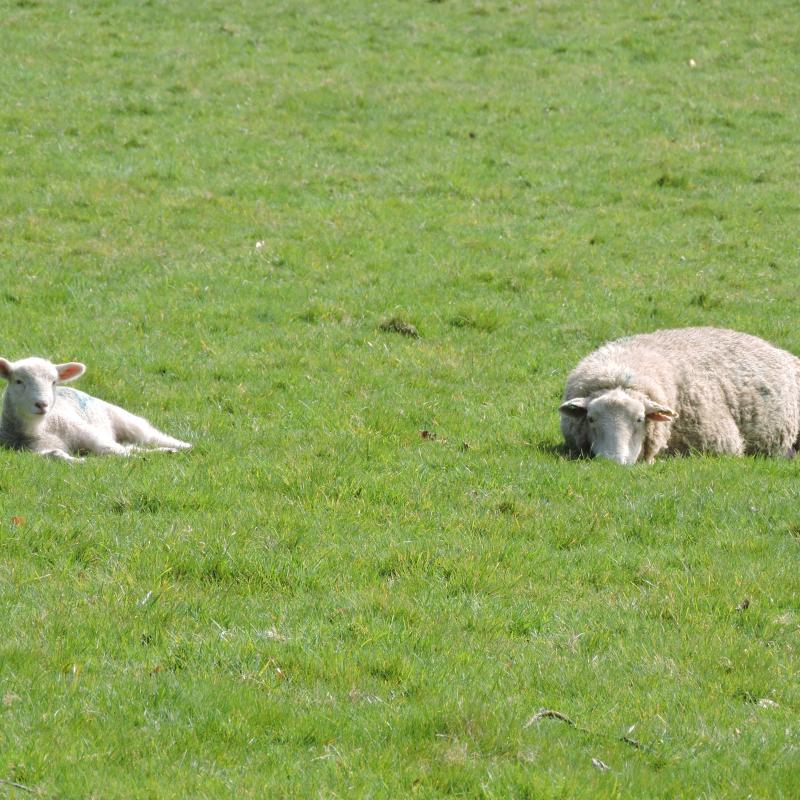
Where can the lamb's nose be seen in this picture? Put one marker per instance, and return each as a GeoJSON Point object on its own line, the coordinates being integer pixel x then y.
{"type": "Point", "coordinates": [41, 405]}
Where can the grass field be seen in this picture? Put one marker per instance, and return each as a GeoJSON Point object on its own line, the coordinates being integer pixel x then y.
{"type": "Point", "coordinates": [216, 205]}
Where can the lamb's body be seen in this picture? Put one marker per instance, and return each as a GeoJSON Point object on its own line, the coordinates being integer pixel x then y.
{"type": "Point", "coordinates": [58, 421]}
{"type": "Point", "coordinates": [725, 392]}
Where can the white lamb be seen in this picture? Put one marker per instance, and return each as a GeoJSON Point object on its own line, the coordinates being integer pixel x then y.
{"type": "Point", "coordinates": [56, 421]}
{"type": "Point", "coordinates": [683, 390]}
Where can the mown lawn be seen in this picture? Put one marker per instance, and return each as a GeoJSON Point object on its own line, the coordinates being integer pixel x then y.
{"type": "Point", "coordinates": [216, 206]}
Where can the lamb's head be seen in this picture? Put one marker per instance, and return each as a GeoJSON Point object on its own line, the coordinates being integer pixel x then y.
{"type": "Point", "coordinates": [32, 382]}
{"type": "Point", "coordinates": [616, 422]}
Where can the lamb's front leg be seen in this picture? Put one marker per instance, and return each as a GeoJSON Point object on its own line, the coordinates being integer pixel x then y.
{"type": "Point", "coordinates": [98, 442]}
{"type": "Point", "coordinates": [53, 446]}
{"type": "Point", "coordinates": [61, 455]}
{"type": "Point", "coordinates": [103, 444]}
{"type": "Point", "coordinates": [108, 447]}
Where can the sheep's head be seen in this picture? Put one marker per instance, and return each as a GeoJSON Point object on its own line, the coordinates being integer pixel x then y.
{"type": "Point", "coordinates": [32, 385]}
{"type": "Point", "coordinates": [616, 422]}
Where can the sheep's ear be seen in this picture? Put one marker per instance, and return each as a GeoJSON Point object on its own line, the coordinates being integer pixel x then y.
{"type": "Point", "coordinates": [70, 371]}
{"type": "Point", "coordinates": [5, 368]}
{"type": "Point", "coordinates": [655, 412]}
{"type": "Point", "coordinates": [576, 407]}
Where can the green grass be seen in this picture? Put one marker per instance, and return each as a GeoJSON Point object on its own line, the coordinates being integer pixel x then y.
{"type": "Point", "coordinates": [216, 206]}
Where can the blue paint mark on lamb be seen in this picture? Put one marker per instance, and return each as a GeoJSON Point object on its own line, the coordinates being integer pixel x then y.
{"type": "Point", "coordinates": [80, 400]}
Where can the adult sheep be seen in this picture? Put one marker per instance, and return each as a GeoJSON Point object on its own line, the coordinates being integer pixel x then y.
{"type": "Point", "coordinates": [688, 389]}
{"type": "Point", "coordinates": [57, 421]}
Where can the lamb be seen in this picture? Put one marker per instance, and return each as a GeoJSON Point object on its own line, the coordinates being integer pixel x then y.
{"type": "Point", "coordinates": [688, 389]}
{"type": "Point", "coordinates": [40, 415]}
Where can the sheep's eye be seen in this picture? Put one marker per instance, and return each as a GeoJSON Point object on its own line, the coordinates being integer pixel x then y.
{"type": "Point", "coordinates": [591, 419]}
{"type": "Point", "coordinates": [641, 419]}
{"type": "Point", "coordinates": [18, 381]}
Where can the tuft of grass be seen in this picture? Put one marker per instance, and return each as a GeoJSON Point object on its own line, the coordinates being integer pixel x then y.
{"type": "Point", "coordinates": [670, 181]}
{"type": "Point", "coordinates": [475, 318]}
{"type": "Point", "coordinates": [399, 325]}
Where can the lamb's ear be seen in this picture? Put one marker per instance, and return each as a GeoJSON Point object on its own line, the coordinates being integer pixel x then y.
{"type": "Point", "coordinates": [5, 368]}
{"type": "Point", "coordinates": [576, 407]}
{"type": "Point", "coordinates": [655, 412]}
{"type": "Point", "coordinates": [69, 371]}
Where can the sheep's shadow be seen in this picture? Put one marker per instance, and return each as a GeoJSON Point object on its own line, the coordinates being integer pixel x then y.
{"type": "Point", "coordinates": [558, 450]}
{"type": "Point", "coordinates": [562, 452]}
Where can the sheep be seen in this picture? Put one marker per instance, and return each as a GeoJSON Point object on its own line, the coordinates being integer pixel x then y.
{"type": "Point", "coordinates": [676, 391]}
{"type": "Point", "coordinates": [51, 420]}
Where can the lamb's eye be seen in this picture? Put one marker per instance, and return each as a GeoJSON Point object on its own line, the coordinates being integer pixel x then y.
{"type": "Point", "coordinates": [641, 419]}
{"type": "Point", "coordinates": [18, 381]}
{"type": "Point", "coordinates": [590, 418]}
